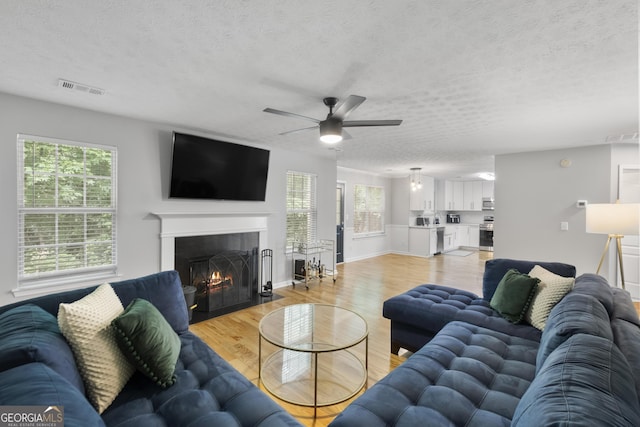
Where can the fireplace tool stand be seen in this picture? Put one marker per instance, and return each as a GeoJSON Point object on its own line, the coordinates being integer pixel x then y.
{"type": "Point", "coordinates": [266, 272]}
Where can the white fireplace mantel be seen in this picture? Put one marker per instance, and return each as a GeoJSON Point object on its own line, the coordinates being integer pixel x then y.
{"type": "Point", "coordinates": [183, 224]}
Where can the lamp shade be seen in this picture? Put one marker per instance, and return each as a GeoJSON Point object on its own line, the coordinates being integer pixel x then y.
{"type": "Point", "coordinates": [613, 218]}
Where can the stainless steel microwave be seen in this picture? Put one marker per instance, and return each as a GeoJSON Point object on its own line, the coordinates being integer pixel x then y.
{"type": "Point", "coordinates": [488, 204]}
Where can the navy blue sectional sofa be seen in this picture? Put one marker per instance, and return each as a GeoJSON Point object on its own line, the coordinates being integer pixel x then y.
{"type": "Point", "coordinates": [473, 368]}
{"type": "Point", "coordinates": [37, 368]}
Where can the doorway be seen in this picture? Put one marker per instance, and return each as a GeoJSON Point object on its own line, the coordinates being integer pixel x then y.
{"type": "Point", "coordinates": [629, 192]}
{"type": "Point", "coordinates": [340, 187]}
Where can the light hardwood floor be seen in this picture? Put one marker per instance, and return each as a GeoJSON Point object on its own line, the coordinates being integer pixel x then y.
{"type": "Point", "coordinates": [361, 286]}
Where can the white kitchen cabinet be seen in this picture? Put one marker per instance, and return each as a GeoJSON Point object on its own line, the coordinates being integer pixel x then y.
{"type": "Point", "coordinates": [416, 200]}
{"type": "Point", "coordinates": [419, 239]}
{"type": "Point", "coordinates": [448, 242]}
{"type": "Point", "coordinates": [474, 236]}
{"type": "Point", "coordinates": [429, 189]}
{"type": "Point", "coordinates": [453, 195]}
{"type": "Point", "coordinates": [423, 199]}
{"type": "Point", "coordinates": [448, 195]}
{"type": "Point", "coordinates": [458, 195]}
{"type": "Point", "coordinates": [472, 199]}
{"type": "Point", "coordinates": [488, 189]}
{"type": "Point", "coordinates": [462, 235]}
{"type": "Point", "coordinates": [450, 232]}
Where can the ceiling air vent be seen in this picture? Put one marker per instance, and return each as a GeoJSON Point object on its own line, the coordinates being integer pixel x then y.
{"type": "Point", "coordinates": [79, 87]}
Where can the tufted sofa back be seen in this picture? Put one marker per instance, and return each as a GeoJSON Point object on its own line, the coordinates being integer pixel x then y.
{"type": "Point", "coordinates": [161, 289]}
{"type": "Point", "coordinates": [495, 269]}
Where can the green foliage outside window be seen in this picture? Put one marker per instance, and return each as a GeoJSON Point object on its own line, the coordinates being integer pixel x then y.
{"type": "Point", "coordinates": [301, 207]}
{"type": "Point", "coordinates": [67, 207]}
{"type": "Point", "coordinates": [368, 209]}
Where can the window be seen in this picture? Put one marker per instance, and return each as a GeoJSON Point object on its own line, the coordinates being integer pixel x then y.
{"type": "Point", "coordinates": [368, 210]}
{"type": "Point", "coordinates": [66, 210]}
{"type": "Point", "coordinates": [301, 207]}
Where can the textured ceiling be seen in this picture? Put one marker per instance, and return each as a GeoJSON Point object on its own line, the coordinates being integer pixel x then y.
{"type": "Point", "coordinates": [470, 79]}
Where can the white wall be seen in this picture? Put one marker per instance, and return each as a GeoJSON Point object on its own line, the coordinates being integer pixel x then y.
{"type": "Point", "coordinates": [399, 220]}
{"type": "Point", "coordinates": [144, 161]}
{"type": "Point", "coordinates": [364, 247]}
{"type": "Point", "coordinates": [534, 194]}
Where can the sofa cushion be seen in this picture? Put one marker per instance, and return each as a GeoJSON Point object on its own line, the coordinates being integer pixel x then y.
{"type": "Point", "coordinates": [148, 341]}
{"type": "Point", "coordinates": [46, 387]}
{"type": "Point", "coordinates": [30, 334]}
{"type": "Point", "coordinates": [625, 326]}
{"type": "Point", "coordinates": [431, 306]}
{"type": "Point", "coordinates": [86, 324]}
{"type": "Point", "coordinates": [597, 287]}
{"type": "Point", "coordinates": [419, 314]}
{"type": "Point", "coordinates": [575, 314]}
{"type": "Point", "coordinates": [584, 382]}
{"type": "Point", "coordinates": [495, 269]}
{"type": "Point", "coordinates": [626, 336]}
{"type": "Point", "coordinates": [551, 289]}
{"type": "Point", "coordinates": [207, 391]}
{"type": "Point", "coordinates": [623, 307]}
{"type": "Point", "coordinates": [513, 295]}
{"type": "Point", "coordinates": [466, 375]}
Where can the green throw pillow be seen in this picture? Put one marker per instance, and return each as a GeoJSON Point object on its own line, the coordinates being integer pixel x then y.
{"type": "Point", "coordinates": [148, 341]}
{"type": "Point", "coordinates": [514, 295]}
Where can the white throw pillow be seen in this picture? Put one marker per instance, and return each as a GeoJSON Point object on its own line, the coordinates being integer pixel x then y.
{"type": "Point", "coordinates": [551, 289]}
{"type": "Point", "coordinates": [86, 324]}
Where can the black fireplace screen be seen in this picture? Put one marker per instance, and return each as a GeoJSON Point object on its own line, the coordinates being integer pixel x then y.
{"type": "Point", "coordinates": [225, 279]}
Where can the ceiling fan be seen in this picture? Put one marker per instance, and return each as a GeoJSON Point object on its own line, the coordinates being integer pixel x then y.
{"type": "Point", "coordinates": [331, 127]}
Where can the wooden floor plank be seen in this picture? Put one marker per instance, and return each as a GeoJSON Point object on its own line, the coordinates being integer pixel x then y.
{"type": "Point", "coordinates": [361, 286]}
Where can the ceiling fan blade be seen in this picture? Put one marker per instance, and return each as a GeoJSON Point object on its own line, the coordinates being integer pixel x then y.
{"type": "Point", "coordinates": [346, 135]}
{"type": "Point", "coordinates": [348, 105]}
{"type": "Point", "coordinates": [297, 130]}
{"type": "Point", "coordinates": [287, 114]}
{"type": "Point", "coordinates": [358, 123]}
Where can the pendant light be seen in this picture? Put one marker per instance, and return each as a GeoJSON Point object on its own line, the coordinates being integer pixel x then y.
{"type": "Point", "coordinates": [416, 179]}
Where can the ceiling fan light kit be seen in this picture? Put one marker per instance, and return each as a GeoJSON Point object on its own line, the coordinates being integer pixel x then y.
{"type": "Point", "coordinates": [331, 127]}
{"type": "Point", "coordinates": [331, 131]}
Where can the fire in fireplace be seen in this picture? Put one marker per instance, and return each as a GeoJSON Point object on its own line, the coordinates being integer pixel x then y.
{"type": "Point", "coordinates": [217, 281]}
{"type": "Point", "coordinates": [223, 280]}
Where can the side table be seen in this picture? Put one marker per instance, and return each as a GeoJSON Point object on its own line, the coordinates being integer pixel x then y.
{"type": "Point", "coordinates": [315, 364]}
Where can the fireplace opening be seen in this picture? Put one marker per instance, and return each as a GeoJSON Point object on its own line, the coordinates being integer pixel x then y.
{"type": "Point", "coordinates": [224, 279]}
{"type": "Point", "coordinates": [224, 269]}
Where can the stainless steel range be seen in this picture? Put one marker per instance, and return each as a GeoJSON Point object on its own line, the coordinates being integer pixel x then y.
{"type": "Point", "coordinates": [486, 234]}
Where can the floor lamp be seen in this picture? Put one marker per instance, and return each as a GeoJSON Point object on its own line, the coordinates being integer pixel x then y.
{"type": "Point", "coordinates": [617, 220]}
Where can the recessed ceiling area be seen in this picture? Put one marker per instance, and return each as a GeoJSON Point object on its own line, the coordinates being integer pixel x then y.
{"type": "Point", "coordinates": [469, 79]}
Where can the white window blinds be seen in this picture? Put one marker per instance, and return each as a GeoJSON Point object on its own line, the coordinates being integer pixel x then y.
{"type": "Point", "coordinates": [301, 207]}
{"type": "Point", "coordinates": [368, 209]}
{"type": "Point", "coordinates": [66, 209]}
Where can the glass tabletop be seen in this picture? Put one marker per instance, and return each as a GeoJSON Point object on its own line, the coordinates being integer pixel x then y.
{"type": "Point", "coordinates": [313, 328]}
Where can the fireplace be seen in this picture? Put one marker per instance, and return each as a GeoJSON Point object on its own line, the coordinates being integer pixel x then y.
{"type": "Point", "coordinates": [222, 268]}
{"type": "Point", "coordinates": [189, 241]}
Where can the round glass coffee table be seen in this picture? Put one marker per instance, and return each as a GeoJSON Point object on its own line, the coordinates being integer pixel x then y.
{"type": "Point", "coordinates": [314, 364]}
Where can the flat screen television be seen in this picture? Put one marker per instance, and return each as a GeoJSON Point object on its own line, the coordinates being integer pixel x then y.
{"type": "Point", "coordinates": [205, 168]}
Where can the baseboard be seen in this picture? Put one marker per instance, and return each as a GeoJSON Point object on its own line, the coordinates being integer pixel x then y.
{"type": "Point", "coordinates": [367, 256]}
